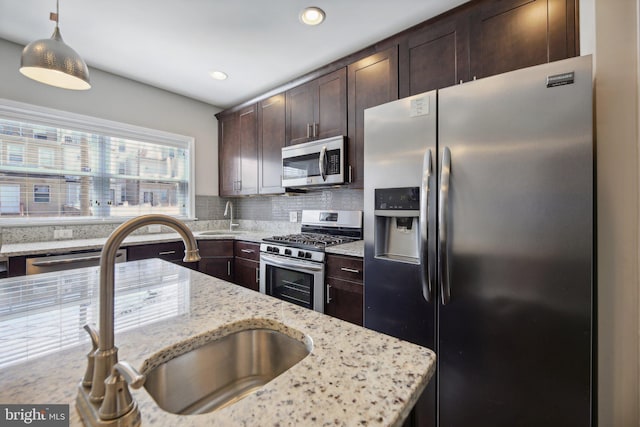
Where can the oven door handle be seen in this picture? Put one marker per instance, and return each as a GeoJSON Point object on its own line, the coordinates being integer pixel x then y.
{"type": "Point", "coordinates": [272, 260]}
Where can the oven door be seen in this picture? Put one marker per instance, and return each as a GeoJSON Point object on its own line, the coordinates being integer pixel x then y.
{"type": "Point", "coordinates": [296, 281]}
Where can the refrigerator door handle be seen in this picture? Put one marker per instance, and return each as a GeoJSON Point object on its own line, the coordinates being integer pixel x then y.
{"type": "Point", "coordinates": [322, 162]}
{"type": "Point", "coordinates": [443, 254]}
{"type": "Point", "coordinates": [425, 273]}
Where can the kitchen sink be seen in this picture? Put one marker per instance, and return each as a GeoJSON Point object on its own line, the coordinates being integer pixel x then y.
{"type": "Point", "coordinates": [223, 371]}
{"type": "Point", "coordinates": [219, 232]}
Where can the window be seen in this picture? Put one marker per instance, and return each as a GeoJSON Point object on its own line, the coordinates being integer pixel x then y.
{"type": "Point", "coordinates": [68, 165]}
{"type": "Point", "coordinates": [41, 193]}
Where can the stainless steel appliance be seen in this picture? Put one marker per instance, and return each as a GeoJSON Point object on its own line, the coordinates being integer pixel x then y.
{"type": "Point", "coordinates": [479, 243]}
{"type": "Point", "coordinates": [315, 163]}
{"type": "Point", "coordinates": [292, 266]}
{"type": "Point", "coordinates": [46, 264]}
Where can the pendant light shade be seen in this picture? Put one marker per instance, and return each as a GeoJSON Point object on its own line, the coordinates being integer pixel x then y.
{"type": "Point", "coordinates": [53, 62]}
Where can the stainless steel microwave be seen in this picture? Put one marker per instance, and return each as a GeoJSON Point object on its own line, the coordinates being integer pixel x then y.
{"type": "Point", "coordinates": [320, 162]}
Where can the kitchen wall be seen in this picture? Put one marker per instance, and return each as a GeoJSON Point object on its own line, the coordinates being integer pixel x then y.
{"type": "Point", "coordinates": [116, 98]}
{"type": "Point", "coordinates": [611, 26]}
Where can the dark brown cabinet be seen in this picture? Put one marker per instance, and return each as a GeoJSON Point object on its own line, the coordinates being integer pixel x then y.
{"type": "Point", "coordinates": [436, 56]}
{"type": "Point", "coordinates": [372, 81]}
{"type": "Point", "coordinates": [271, 139]}
{"type": "Point", "coordinates": [238, 152]}
{"type": "Point", "coordinates": [216, 258]}
{"type": "Point", "coordinates": [169, 251]}
{"type": "Point", "coordinates": [506, 35]}
{"type": "Point", "coordinates": [344, 289]}
{"type": "Point", "coordinates": [317, 109]}
{"type": "Point", "coordinates": [247, 264]}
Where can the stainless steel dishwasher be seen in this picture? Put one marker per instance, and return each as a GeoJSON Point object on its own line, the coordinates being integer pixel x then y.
{"type": "Point", "coordinates": [46, 264]}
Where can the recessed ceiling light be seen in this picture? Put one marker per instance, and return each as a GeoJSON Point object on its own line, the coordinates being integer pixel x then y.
{"type": "Point", "coordinates": [218, 75]}
{"type": "Point", "coordinates": [312, 15]}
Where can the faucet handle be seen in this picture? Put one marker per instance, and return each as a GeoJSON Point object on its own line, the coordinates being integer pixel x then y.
{"type": "Point", "coordinates": [88, 374]}
{"type": "Point", "coordinates": [117, 398]}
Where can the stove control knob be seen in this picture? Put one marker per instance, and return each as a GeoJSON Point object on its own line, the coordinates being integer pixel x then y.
{"type": "Point", "coordinates": [300, 254]}
{"type": "Point", "coordinates": [276, 250]}
{"type": "Point", "coordinates": [307, 255]}
{"type": "Point", "coordinates": [269, 249]}
{"type": "Point", "coordinates": [287, 251]}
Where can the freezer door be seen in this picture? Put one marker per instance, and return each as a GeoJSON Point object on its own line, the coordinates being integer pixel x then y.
{"type": "Point", "coordinates": [515, 323]}
{"type": "Point", "coordinates": [400, 152]}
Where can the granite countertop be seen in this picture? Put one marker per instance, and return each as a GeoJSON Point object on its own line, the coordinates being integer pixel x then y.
{"type": "Point", "coordinates": [60, 246]}
{"type": "Point", "coordinates": [353, 376]}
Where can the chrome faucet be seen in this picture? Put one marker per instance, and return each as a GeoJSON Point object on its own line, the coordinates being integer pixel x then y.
{"type": "Point", "coordinates": [105, 400]}
{"type": "Point", "coordinates": [228, 208]}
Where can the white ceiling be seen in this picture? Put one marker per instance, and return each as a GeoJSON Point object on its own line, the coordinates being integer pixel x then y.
{"type": "Point", "coordinates": [172, 44]}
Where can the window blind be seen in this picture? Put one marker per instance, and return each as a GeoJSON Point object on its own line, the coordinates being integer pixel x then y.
{"type": "Point", "coordinates": [59, 165]}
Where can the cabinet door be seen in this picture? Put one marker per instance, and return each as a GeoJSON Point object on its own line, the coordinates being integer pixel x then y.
{"type": "Point", "coordinates": [222, 268]}
{"type": "Point", "coordinates": [436, 56]}
{"type": "Point", "coordinates": [247, 273]}
{"type": "Point", "coordinates": [300, 113]}
{"type": "Point", "coordinates": [331, 105]}
{"type": "Point", "coordinates": [248, 142]}
{"type": "Point", "coordinates": [228, 154]}
{"type": "Point", "coordinates": [512, 34]}
{"type": "Point", "coordinates": [371, 81]}
{"type": "Point", "coordinates": [271, 139]}
{"type": "Point", "coordinates": [344, 300]}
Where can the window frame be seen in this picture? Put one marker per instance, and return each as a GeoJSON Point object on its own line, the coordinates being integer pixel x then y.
{"type": "Point", "coordinates": [13, 110]}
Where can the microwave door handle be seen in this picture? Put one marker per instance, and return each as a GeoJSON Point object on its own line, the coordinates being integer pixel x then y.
{"type": "Point", "coordinates": [322, 162]}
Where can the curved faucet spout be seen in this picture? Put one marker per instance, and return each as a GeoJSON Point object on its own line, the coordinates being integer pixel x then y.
{"type": "Point", "coordinates": [106, 356]}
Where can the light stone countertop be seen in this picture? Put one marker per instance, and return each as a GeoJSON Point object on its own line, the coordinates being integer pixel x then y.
{"type": "Point", "coordinates": [61, 246]}
{"type": "Point", "coordinates": [353, 376]}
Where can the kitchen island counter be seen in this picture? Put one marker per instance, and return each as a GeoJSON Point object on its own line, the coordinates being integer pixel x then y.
{"type": "Point", "coordinates": [353, 376]}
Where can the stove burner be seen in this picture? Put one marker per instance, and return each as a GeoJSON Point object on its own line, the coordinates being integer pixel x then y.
{"type": "Point", "coordinates": [319, 241]}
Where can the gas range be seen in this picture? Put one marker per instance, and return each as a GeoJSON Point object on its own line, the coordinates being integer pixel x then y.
{"type": "Point", "coordinates": [320, 229]}
{"type": "Point", "coordinates": [292, 266]}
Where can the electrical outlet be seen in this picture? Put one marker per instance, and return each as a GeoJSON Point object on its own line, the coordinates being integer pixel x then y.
{"type": "Point", "coordinates": [293, 216]}
{"type": "Point", "coordinates": [63, 234]}
{"type": "Point", "coordinates": [154, 228]}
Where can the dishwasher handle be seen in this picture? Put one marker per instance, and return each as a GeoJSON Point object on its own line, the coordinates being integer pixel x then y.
{"type": "Point", "coordinates": [69, 260]}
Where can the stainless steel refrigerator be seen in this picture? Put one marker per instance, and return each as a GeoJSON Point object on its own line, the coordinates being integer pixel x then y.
{"type": "Point", "coordinates": [479, 243]}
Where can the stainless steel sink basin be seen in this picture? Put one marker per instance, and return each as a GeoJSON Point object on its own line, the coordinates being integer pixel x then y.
{"type": "Point", "coordinates": [219, 233]}
{"type": "Point", "coordinates": [223, 371]}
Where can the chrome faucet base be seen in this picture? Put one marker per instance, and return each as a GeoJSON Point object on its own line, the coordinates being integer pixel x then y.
{"type": "Point", "coordinates": [88, 411]}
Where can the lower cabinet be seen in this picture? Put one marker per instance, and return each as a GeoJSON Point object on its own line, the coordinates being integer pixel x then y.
{"type": "Point", "coordinates": [247, 264]}
{"type": "Point", "coordinates": [216, 258]}
{"type": "Point", "coordinates": [168, 251]}
{"type": "Point", "coordinates": [344, 288]}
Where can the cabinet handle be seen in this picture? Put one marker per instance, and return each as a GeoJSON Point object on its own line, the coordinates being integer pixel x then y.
{"type": "Point", "coordinates": [328, 294]}
{"type": "Point", "coordinates": [315, 130]}
{"type": "Point", "coordinates": [350, 178]}
{"type": "Point", "coordinates": [350, 270]}
{"type": "Point", "coordinates": [229, 268]}
{"type": "Point", "coordinates": [257, 274]}
{"type": "Point", "coordinates": [247, 251]}
{"type": "Point", "coordinates": [308, 130]}
{"type": "Point", "coordinates": [167, 253]}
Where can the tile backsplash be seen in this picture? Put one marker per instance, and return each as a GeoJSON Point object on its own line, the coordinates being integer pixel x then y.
{"type": "Point", "coordinates": [259, 213]}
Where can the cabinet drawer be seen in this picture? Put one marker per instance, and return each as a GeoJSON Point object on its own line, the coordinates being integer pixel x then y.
{"type": "Point", "coordinates": [170, 251]}
{"type": "Point", "coordinates": [247, 250]}
{"type": "Point", "coordinates": [343, 267]}
{"type": "Point", "coordinates": [212, 248]}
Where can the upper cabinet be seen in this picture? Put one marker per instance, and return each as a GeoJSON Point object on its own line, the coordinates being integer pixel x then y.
{"type": "Point", "coordinates": [372, 81]}
{"type": "Point", "coordinates": [435, 56]}
{"type": "Point", "coordinates": [271, 139]}
{"type": "Point", "coordinates": [506, 35]}
{"type": "Point", "coordinates": [477, 39]}
{"type": "Point", "coordinates": [317, 109]}
{"type": "Point", "coordinates": [238, 152]}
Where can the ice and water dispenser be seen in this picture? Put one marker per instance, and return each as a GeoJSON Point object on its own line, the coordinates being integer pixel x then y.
{"type": "Point", "coordinates": [397, 224]}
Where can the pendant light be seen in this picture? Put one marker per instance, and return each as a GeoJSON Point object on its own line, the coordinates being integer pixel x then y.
{"type": "Point", "coordinates": [53, 62]}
